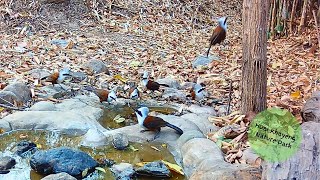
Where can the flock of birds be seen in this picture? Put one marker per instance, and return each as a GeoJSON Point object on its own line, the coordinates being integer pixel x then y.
{"type": "Point", "coordinates": [147, 122]}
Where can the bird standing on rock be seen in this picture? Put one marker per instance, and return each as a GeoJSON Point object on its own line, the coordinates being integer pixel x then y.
{"type": "Point", "coordinates": [57, 77]}
{"type": "Point", "coordinates": [151, 85]}
{"type": "Point", "coordinates": [152, 123]}
{"type": "Point", "coordinates": [103, 94]}
{"type": "Point", "coordinates": [219, 33]}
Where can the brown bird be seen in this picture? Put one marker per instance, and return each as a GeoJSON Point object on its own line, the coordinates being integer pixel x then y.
{"type": "Point", "coordinates": [219, 33]}
{"type": "Point", "coordinates": [151, 85]}
{"type": "Point", "coordinates": [134, 93]}
{"type": "Point", "coordinates": [152, 123]}
{"type": "Point", "coordinates": [57, 77]}
{"type": "Point", "coordinates": [105, 95]}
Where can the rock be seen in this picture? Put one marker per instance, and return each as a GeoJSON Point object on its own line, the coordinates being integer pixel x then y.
{"type": "Point", "coordinates": [172, 83]}
{"type": "Point", "coordinates": [120, 141]}
{"type": "Point", "coordinates": [78, 76]}
{"type": "Point", "coordinates": [201, 110]}
{"type": "Point", "coordinates": [39, 73]}
{"type": "Point", "coordinates": [106, 162]}
{"type": "Point", "coordinates": [187, 85]}
{"type": "Point", "coordinates": [59, 176]}
{"type": "Point", "coordinates": [186, 136]}
{"type": "Point", "coordinates": [8, 98]}
{"type": "Point", "coordinates": [201, 120]}
{"type": "Point", "coordinates": [311, 109]}
{"type": "Point", "coordinates": [6, 163]}
{"type": "Point", "coordinates": [56, 91]}
{"type": "Point", "coordinates": [174, 94]}
{"type": "Point", "coordinates": [24, 148]}
{"type": "Point", "coordinates": [222, 111]}
{"type": "Point", "coordinates": [203, 61]}
{"type": "Point", "coordinates": [72, 116]}
{"type": "Point", "coordinates": [123, 171]}
{"type": "Point", "coordinates": [43, 106]}
{"type": "Point", "coordinates": [305, 163]}
{"type": "Point", "coordinates": [154, 169]}
{"type": "Point", "coordinates": [20, 90]}
{"type": "Point", "coordinates": [202, 159]}
{"type": "Point", "coordinates": [94, 138]}
{"type": "Point", "coordinates": [62, 159]}
{"type": "Point", "coordinates": [96, 66]}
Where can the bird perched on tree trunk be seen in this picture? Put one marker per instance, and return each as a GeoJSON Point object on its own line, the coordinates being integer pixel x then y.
{"type": "Point", "coordinates": [57, 77]}
{"type": "Point", "coordinates": [219, 33]}
{"type": "Point", "coordinates": [152, 123]}
{"type": "Point", "coordinates": [151, 85]}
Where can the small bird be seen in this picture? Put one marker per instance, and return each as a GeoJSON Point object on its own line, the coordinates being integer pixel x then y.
{"type": "Point", "coordinates": [57, 77]}
{"type": "Point", "coordinates": [104, 95]}
{"type": "Point", "coordinates": [152, 123]}
{"type": "Point", "coordinates": [219, 33]}
{"type": "Point", "coordinates": [134, 93]}
{"type": "Point", "coordinates": [197, 92]}
{"type": "Point", "coordinates": [151, 85]}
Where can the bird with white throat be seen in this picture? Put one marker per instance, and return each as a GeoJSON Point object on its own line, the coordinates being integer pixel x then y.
{"type": "Point", "coordinates": [219, 34]}
{"type": "Point", "coordinates": [153, 123]}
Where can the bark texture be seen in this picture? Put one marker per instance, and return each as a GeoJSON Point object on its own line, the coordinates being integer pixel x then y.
{"type": "Point", "coordinates": [254, 59]}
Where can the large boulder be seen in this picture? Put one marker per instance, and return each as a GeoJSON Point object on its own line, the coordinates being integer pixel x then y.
{"type": "Point", "coordinates": [15, 93]}
{"type": "Point", "coordinates": [62, 159]}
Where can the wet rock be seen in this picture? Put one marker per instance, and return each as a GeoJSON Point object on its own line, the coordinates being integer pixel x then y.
{"type": "Point", "coordinates": [6, 163]}
{"type": "Point", "coordinates": [24, 148]}
{"type": "Point", "coordinates": [120, 141]}
{"type": "Point", "coordinates": [203, 61]}
{"type": "Point", "coordinates": [186, 136]}
{"type": "Point", "coordinates": [59, 176]}
{"type": "Point", "coordinates": [8, 98]}
{"type": "Point", "coordinates": [201, 120]}
{"type": "Point", "coordinates": [39, 73]}
{"type": "Point", "coordinates": [94, 138]}
{"type": "Point", "coordinates": [172, 83]}
{"type": "Point", "coordinates": [123, 171]}
{"type": "Point", "coordinates": [43, 106]}
{"type": "Point", "coordinates": [106, 162]}
{"type": "Point", "coordinates": [62, 159]}
{"type": "Point", "coordinates": [154, 169]}
{"type": "Point", "coordinates": [311, 109]}
{"type": "Point", "coordinates": [174, 94]}
{"type": "Point", "coordinates": [96, 66]}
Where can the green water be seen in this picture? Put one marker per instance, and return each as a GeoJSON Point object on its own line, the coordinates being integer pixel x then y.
{"type": "Point", "coordinates": [45, 140]}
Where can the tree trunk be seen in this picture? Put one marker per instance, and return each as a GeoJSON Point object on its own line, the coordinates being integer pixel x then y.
{"type": "Point", "coordinates": [254, 58]}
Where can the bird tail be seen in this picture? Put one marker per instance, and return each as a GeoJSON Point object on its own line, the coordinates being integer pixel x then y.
{"type": "Point", "coordinates": [165, 85]}
{"type": "Point", "coordinates": [44, 78]}
{"type": "Point", "coordinates": [179, 131]}
{"type": "Point", "coordinates": [209, 49]}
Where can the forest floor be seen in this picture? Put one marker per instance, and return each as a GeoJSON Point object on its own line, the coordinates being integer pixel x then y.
{"type": "Point", "coordinates": [164, 38]}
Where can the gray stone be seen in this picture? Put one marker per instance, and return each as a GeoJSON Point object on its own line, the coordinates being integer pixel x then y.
{"type": "Point", "coordinates": [222, 111]}
{"type": "Point", "coordinates": [43, 106]}
{"type": "Point", "coordinates": [6, 163]}
{"type": "Point", "coordinates": [78, 76]}
{"type": "Point", "coordinates": [24, 148]}
{"type": "Point", "coordinates": [39, 73]}
{"type": "Point", "coordinates": [305, 163]}
{"type": "Point", "coordinates": [96, 66]}
{"type": "Point", "coordinates": [59, 176]}
{"type": "Point", "coordinates": [201, 110]}
{"type": "Point", "coordinates": [203, 61]}
{"type": "Point", "coordinates": [94, 138]}
{"type": "Point", "coordinates": [123, 171]}
{"type": "Point", "coordinates": [120, 141]}
{"type": "Point", "coordinates": [172, 83]}
{"type": "Point", "coordinates": [62, 159]}
{"type": "Point", "coordinates": [154, 169]}
{"type": "Point", "coordinates": [56, 91]}
{"type": "Point", "coordinates": [186, 136]}
{"type": "Point", "coordinates": [201, 120]}
{"type": "Point", "coordinates": [8, 98]}
{"type": "Point", "coordinates": [21, 91]}
{"type": "Point", "coordinates": [174, 94]}
{"type": "Point", "coordinates": [187, 85]}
